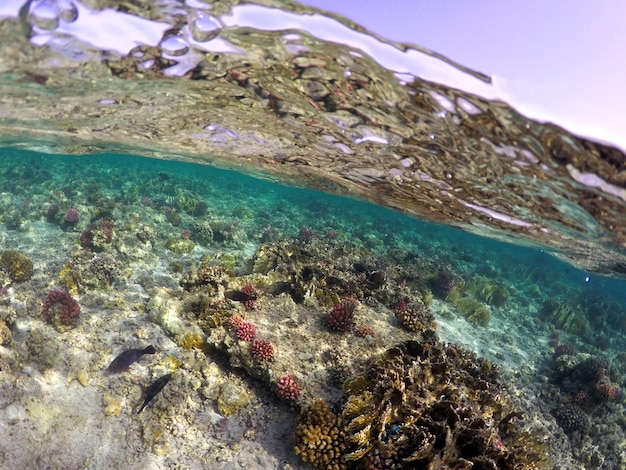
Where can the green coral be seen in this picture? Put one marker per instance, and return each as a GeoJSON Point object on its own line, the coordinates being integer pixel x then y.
{"type": "Point", "coordinates": [565, 315]}
{"type": "Point", "coordinates": [475, 311]}
{"type": "Point", "coordinates": [18, 266]}
{"type": "Point", "coordinates": [180, 247]}
{"type": "Point", "coordinates": [487, 291]}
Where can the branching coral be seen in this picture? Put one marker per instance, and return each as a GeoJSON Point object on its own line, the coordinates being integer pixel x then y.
{"type": "Point", "coordinates": [414, 316]}
{"type": "Point", "coordinates": [319, 437]}
{"type": "Point", "coordinates": [341, 317]}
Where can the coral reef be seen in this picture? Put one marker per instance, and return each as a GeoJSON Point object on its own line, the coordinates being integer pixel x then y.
{"type": "Point", "coordinates": [60, 309]}
{"type": "Point", "coordinates": [421, 405]}
{"type": "Point", "coordinates": [414, 316]}
{"type": "Point", "coordinates": [571, 418]}
{"type": "Point", "coordinates": [18, 266]}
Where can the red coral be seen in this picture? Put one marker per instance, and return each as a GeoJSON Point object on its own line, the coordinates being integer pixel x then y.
{"type": "Point", "coordinates": [246, 331]}
{"type": "Point", "coordinates": [606, 391]}
{"type": "Point", "coordinates": [288, 387]}
{"type": "Point", "coordinates": [364, 331]}
{"type": "Point", "coordinates": [249, 290]}
{"type": "Point", "coordinates": [400, 306]}
{"type": "Point", "coordinates": [341, 317]}
{"type": "Point", "coordinates": [60, 308]}
{"type": "Point", "coordinates": [262, 350]}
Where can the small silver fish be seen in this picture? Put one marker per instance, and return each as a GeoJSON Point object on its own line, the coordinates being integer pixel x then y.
{"type": "Point", "coordinates": [124, 360]}
{"type": "Point", "coordinates": [155, 388]}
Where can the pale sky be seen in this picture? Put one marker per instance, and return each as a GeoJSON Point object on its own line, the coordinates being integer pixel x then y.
{"type": "Point", "coordinates": [560, 60]}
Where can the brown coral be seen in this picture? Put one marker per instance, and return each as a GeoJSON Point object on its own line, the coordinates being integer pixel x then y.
{"type": "Point", "coordinates": [415, 317]}
{"type": "Point", "coordinates": [425, 404]}
{"type": "Point", "coordinates": [18, 266]}
{"type": "Point", "coordinates": [319, 437]}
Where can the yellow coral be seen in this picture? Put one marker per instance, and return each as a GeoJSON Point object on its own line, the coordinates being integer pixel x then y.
{"type": "Point", "coordinates": [18, 266]}
{"type": "Point", "coordinates": [319, 438]}
{"type": "Point", "coordinates": [473, 310]}
{"type": "Point", "coordinates": [191, 341]}
{"type": "Point", "coordinates": [70, 279]}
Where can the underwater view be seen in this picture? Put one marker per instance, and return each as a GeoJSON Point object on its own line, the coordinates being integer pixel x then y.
{"type": "Point", "coordinates": [230, 240]}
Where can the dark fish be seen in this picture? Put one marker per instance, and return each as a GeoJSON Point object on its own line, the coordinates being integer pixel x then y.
{"type": "Point", "coordinates": [155, 388]}
{"type": "Point", "coordinates": [238, 296]}
{"type": "Point", "coordinates": [278, 288]}
{"type": "Point", "coordinates": [163, 176]}
{"type": "Point", "coordinates": [122, 362]}
{"type": "Point", "coordinates": [377, 278]}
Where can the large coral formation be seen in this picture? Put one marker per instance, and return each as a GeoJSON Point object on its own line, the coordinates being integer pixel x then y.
{"type": "Point", "coordinates": [425, 405]}
{"type": "Point", "coordinates": [18, 266]}
{"type": "Point", "coordinates": [472, 309]}
{"type": "Point", "coordinates": [493, 293]}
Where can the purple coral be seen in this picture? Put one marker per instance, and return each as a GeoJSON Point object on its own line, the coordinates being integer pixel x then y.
{"type": "Point", "coordinates": [60, 308]}
{"type": "Point", "coordinates": [71, 216]}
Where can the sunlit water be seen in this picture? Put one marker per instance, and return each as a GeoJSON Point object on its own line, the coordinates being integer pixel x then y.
{"type": "Point", "coordinates": [292, 119]}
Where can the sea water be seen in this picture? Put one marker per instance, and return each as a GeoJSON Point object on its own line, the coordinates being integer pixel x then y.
{"type": "Point", "coordinates": [253, 242]}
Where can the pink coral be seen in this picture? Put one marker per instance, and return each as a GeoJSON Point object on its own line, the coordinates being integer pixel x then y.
{"type": "Point", "coordinates": [288, 387]}
{"type": "Point", "coordinates": [262, 350]}
{"type": "Point", "coordinates": [234, 321]}
{"type": "Point", "coordinates": [60, 308]}
{"type": "Point", "coordinates": [246, 331]}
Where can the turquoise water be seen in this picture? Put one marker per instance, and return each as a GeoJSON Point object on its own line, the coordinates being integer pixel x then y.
{"type": "Point", "coordinates": [32, 180]}
{"type": "Point", "coordinates": [164, 204]}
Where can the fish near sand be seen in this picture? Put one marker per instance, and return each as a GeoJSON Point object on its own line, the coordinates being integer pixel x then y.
{"type": "Point", "coordinates": [154, 389]}
{"type": "Point", "coordinates": [124, 360]}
